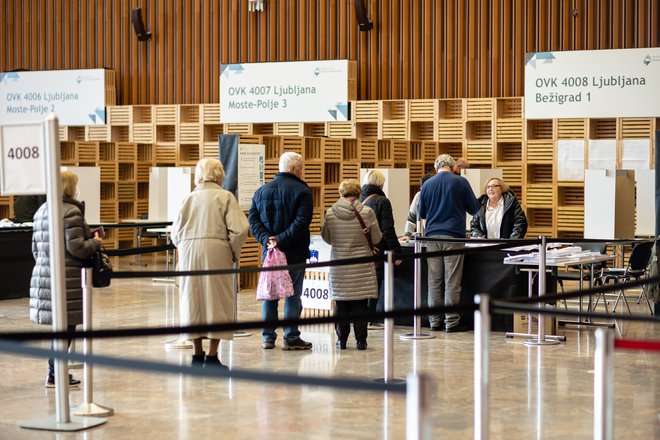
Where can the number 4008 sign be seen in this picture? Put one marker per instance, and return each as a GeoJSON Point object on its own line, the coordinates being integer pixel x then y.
{"type": "Point", "coordinates": [22, 163]}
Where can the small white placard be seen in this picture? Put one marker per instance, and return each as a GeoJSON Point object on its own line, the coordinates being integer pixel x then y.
{"type": "Point", "coordinates": [250, 172]}
{"type": "Point", "coordinates": [316, 294]}
{"type": "Point", "coordinates": [602, 154]}
{"type": "Point", "coordinates": [570, 160]}
{"type": "Point", "coordinates": [77, 97]}
{"type": "Point", "coordinates": [23, 161]}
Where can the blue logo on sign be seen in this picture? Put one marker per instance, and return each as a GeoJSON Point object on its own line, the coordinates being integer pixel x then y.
{"type": "Point", "coordinates": [647, 60]}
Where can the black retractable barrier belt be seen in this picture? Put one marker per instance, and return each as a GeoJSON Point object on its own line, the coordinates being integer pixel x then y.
{"type": "Point", "coordinates": [141, 365]}
{"type": "Point", "coordinates": [138, 250]}
{"type": "Point", "coordinates": [221, 327]}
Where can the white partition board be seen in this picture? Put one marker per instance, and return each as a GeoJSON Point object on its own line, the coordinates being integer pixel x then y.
{"type": "Point", "coordinates": [89, 186]}
{"type": "Point", "coordinates": [168, 187]}
{"type": "Point", "coordinates": [609, 203]}
{"type": "Point", "coordinates": [645, 208]}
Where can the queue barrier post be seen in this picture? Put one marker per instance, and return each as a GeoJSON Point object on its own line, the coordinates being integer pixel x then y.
{"type": "Point", "coordinates": [417, 297]}
{"type": "Point", "coordinates": [604, 385]}
{"type": "Point", "coordinates": [482, 367]}
{"type": "Point", "coordinates": [88, 407]}
{"type": "Point", "coordinates": [418, 419]}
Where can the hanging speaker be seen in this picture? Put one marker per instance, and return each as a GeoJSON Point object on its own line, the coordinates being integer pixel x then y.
{"type": "Point", "coordinates": [361, 15]}
{"type": "Point", "coordinates": [138, 25]}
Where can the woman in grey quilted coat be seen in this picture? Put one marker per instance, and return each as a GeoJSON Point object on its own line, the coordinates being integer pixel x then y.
{"type": "Point", "coordinates": [79, 245]}
{"type": "Point", "coordinates": [351, 286]}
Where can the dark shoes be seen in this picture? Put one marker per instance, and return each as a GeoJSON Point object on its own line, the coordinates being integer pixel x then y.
{"type": "Point", "coordinates": [362, 345]}
{"type": "Point", "coordinates": [341, 345]}
{"type": "Point", "coordinates": [73, 383]}
{"type": "Point", "coordinates": [438, 328]}
{"type": "Point", "coordinates": [457, 328]}
{"type": "Point", "coordinates": [198, 360]}
{"type": "Point", "coordinates": [268, 344]}
{"type": "Point", "coordinates": [296, 344]}
{"type": "Point", "coordinates": [213, 362]}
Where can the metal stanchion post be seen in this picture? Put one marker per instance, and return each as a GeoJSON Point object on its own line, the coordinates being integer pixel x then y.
{"type": "Point", "coordinates": [417, 299]}
{"type": "Point", "coordinates": [541, 339]}
{"type": "Point", "coordinates": [88, 407]}
{"type": "Point", "coordinates": [388, 363]}
{"type": "Point", "coordinates": [418, 420]}
{"type": "Point", "coordinates": [604, 385]}
{"type": "Point", "coordinates": [237, 333]}
{"type": "Point", "coordinates": [482, 368]}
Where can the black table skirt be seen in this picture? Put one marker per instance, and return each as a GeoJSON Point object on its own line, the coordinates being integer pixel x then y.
{"type": "Point", "coordinates": [16, 263]}
{"type": "Point", "coordinates": [483, 272]}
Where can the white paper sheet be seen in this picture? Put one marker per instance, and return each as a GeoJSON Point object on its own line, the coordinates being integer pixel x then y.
{"type": "Point", "coordinates": [635, 154]}
{"type": "Point", "coordinates": [570, 160]}
{"type": "Point", "coordinates": [602, 154]}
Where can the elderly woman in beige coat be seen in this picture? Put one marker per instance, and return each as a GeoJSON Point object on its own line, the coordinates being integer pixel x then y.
{"type": "Point", "coordinates": [351, 286]}
{"type": "Point", "coordinates": [209, 233]}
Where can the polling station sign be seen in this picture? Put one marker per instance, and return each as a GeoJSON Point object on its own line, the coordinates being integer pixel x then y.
{"type": "Point", "coordinates": [296, 91]}
{"type": "Point", "coordinates": [77, 97]}
{"type": "Point", "coordinates": [593, 84]}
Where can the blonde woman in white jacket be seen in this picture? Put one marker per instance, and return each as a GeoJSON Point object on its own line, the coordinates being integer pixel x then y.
{"type": "Point", "coordinates": [351, 286]}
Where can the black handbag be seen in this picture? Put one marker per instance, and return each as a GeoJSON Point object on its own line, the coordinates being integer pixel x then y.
{"type": "Point", "coordinates": [101, 269]}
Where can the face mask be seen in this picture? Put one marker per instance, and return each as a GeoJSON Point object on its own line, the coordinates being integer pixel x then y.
{"type": "Point", "coordinates": [77, 196]}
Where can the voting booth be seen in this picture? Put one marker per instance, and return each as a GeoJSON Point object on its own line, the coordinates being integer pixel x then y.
{"type": "Point", "coordinates": [89, 187]}
{"type": "Point", "coordinates": [168, 187]}
{"type": "Point", "coordinates": [609, 201]}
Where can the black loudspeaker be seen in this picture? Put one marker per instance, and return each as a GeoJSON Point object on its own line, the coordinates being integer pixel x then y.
{"type": "Point", "coordinates": [138, 25]}
{"type": "Point", "coordinates": [361, 15]}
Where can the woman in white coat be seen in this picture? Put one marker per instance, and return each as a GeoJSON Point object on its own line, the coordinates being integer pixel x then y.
{"type": "Point", "coordinates": [208, 233]}
{"type": "Point", "coordinates": [351, 286]}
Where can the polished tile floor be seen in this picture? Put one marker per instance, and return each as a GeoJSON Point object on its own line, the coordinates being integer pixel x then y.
{"type": "Point", "coordinates": [536, 392]}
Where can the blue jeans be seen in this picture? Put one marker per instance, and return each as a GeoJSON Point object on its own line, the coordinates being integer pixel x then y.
{"type": "Point", "coordinates": [292, 309]}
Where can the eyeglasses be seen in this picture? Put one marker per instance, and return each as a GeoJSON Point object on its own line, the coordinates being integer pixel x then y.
{"type": "Point", "coordinates": [492, 186]}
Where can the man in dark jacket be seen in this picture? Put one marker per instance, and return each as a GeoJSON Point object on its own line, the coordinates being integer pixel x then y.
{"type": "Point", "coordinates": [280, 216]}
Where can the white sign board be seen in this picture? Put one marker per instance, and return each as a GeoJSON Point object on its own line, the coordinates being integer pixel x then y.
{"type": "Point", "coordinates": [77, 97]}
{"type": "Point", "coordinates": [316, 289]}
{"type": "Point", "coordinates": [23, 160]}
{"type": "Point", "coordinates": [250, 172]}
{"type": "Point", "coordinates": [593, 84]}
{"type": "Point", "coordinates": [296, 91]}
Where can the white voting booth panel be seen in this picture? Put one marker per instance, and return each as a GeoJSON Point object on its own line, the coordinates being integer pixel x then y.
{"type": "Point", "coordinates": [168, 187]}
{"type": "Point", "coordinates": [89, 186]}
{"type": "Point", "coordinates": [609, 203]}
{"type": "Point", "coordinates": [645, 224]}
{"type": "Point", "coordinates": [397, 189]}
{"type": "Point", "coordinates": [477, 178]}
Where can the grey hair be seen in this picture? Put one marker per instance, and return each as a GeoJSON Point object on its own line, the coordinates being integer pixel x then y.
{"type": "Point", "coordinates": [289, 160]}
{"type": "Point", "coordinates": [374, 177]}
{"type": "Point", "coordinates": [444, 160]}
{"type": "Point", "coordinates": [209, 170]}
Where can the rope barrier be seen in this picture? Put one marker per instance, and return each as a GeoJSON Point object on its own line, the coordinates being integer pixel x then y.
{"type": "Point", "coordinates": [636, 344]}
{"type": "Point", "coordinates": [134, 364]}
{"type": "Point", "coordinates": [138, 250]}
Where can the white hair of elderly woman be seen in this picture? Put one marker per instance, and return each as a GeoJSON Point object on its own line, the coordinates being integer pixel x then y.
{"type": "Point", "coordinates": [289, 160]}
{"type": "Point", "coordinates": [443, 161]}
{"type": "Point", "coordinates": [209, 170]}
{"type": "Point", "coordinates": [374, 177]}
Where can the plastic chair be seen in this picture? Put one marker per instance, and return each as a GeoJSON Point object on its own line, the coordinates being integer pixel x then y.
{"type": "Point", "coordinates": [635, 270]}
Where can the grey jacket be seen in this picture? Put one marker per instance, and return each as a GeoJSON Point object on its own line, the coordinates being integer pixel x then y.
{"type": "Point", "coordinates": [342, 230]}
{"type": "Point", "coordinates": [78, 247]}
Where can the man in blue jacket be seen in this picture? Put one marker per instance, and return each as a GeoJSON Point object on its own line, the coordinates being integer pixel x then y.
{"type": "Point", "coordinates": [443, 202]}
{"type": "Point", "coordinates": [280, 216]}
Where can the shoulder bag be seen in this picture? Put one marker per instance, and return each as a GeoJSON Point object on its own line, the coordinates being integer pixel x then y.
{"type": "Point", "coordinates": [366, 231]}
{"type": "Point", "coordinates": [101, 269]}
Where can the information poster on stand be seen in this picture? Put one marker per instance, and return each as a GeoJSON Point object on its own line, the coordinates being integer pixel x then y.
{"type": "Point", "coordinates": [296, 91]}
{"type": "Point", "coordinates": [593, 84]}
{"type": "Point", "coordinates": [250, 172]}
{"type": "Point", "coordinates": [77, 97]}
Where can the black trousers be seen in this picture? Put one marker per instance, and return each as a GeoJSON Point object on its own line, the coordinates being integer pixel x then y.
{"type": "Point", "coordinates": [347, 309]}
{"type": "Point", "coordinates": [373, 302]}
{"type": "Point", "coordinates": [51, 363]}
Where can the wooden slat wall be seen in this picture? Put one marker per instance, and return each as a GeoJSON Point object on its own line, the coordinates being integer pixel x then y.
{"type": "Point", "coordinates": [417, 49]}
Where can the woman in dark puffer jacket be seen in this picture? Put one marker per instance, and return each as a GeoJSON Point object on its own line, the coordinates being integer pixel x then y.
{"type": "Point", "coordinates": [373, 196]}
{"type": "Point", "coordinates": [79, 245]}
{"type": "Point", "coordinates": [500, 214]}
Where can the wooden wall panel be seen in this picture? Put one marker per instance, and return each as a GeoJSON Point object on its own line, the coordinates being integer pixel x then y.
{"type": "Point", "coordinates": [416, 49]}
